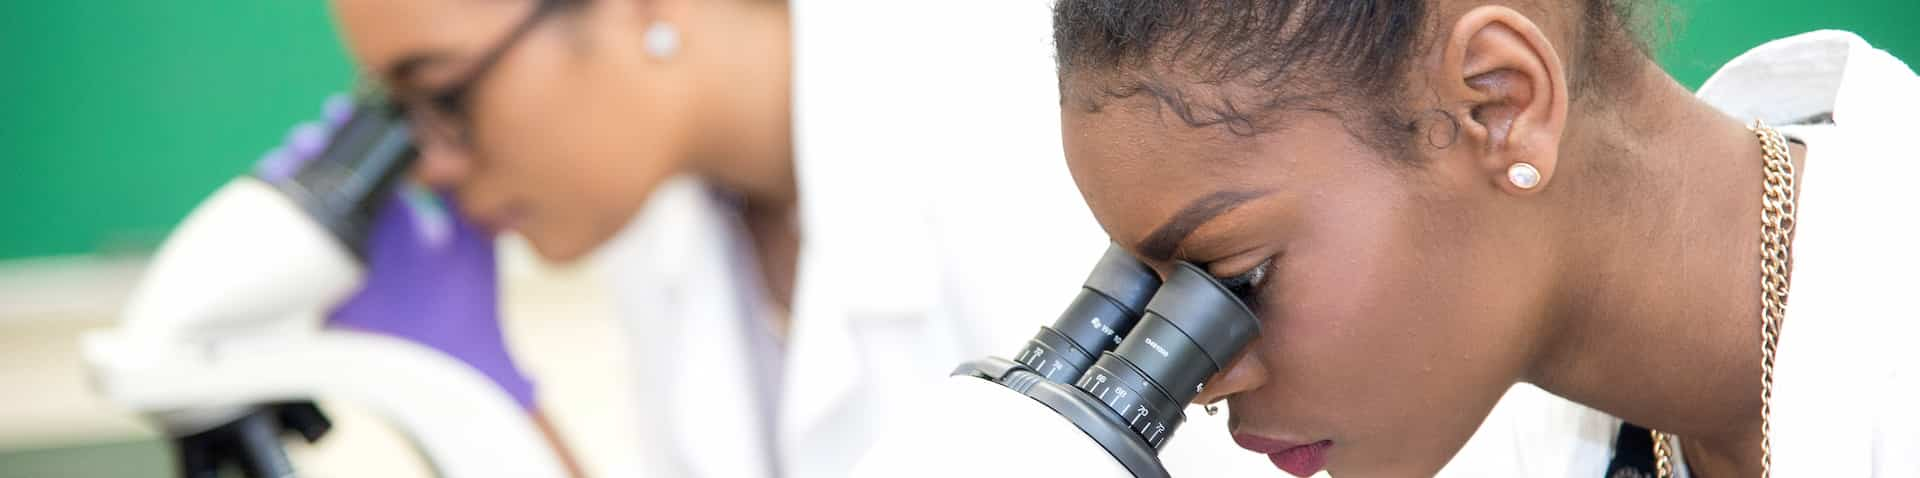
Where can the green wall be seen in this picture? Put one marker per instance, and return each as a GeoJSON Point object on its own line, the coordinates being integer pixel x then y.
{"type": "Point", "coordinates": [1706, 33]}
{"type": "Point", "coordinates": [146, 458]}
{"type": "Point", "coordinates": [116, 116]}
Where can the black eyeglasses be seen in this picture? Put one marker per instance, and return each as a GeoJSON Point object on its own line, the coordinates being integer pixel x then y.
{"type": "Point", "coordinates": [446, 113]}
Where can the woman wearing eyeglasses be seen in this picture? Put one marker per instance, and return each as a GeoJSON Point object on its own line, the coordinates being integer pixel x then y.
{"type": "Point", "coordinates": [808, 211]}
{"type": "Point", "coordinates": [1429, 202]}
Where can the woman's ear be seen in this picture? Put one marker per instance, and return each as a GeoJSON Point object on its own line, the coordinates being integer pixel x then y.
{"type": "Point", "coordinates": [1506, 88]}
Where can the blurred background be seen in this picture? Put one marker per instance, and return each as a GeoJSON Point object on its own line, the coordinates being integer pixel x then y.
{"type": "Point", "coordinates": [119, 115]}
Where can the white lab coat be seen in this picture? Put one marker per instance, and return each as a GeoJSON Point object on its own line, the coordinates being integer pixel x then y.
{"type": "Point", "coordinates": [1847, 375]}
{"type": "Point", "coordinates": [939, 225]}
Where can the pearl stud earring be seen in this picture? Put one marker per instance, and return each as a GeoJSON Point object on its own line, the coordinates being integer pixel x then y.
{"type": "Point", "coordinates": [1523, 175]}
{"type": "Point", "coordinates": [663, 40]}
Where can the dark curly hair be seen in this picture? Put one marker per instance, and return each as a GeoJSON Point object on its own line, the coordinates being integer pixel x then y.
{"type": "Point", "coordinates": [1227, 62]}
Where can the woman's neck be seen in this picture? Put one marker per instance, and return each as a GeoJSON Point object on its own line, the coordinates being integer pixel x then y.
{"type": "Point", "coordinates": [743, 141]}
{"type": "Point", "coordinates": [1659, 321]}
{"type": "Point", "coordinates": [742, 105]}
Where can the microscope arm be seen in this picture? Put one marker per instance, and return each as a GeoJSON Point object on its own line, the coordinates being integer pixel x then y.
{"type": "Point", "coordinates": [465, 425]}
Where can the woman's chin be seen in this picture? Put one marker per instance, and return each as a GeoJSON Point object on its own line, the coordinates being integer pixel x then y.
{"type": "Point", "coordinates": [558, 249]}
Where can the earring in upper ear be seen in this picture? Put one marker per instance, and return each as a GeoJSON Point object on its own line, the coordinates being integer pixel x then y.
{"type": "Point", "coordinates": [1523, 175]}
{"type": "Point", "coordinates": [663, 40]}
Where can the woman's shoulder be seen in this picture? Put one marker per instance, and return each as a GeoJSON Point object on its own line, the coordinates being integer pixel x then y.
{"type": "Point", "coordinates": [1846, 372]}
{"type": "Point", "coordinates": [1821, 74]}
{"type": "Point", "coordinates": [1848, 368]}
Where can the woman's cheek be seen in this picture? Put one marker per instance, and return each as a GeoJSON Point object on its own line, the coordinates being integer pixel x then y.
{"type": "Point", "coordinates": [1326, 288]}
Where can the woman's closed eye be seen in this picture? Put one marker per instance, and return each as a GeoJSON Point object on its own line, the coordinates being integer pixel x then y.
{"type": "Point", "coordinates": [1246, 285]}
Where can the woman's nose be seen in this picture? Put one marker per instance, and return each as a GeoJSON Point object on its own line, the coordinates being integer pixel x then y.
{"type": "Point", "coordinates": [441, 167]}
{"type": "Point", "coordinates": [1244, 373]}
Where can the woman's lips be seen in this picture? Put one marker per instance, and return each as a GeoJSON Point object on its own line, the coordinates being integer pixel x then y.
{"type": "Point", "coordinates": [1295, 458]}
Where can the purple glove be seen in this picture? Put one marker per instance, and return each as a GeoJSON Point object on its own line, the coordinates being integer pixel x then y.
{"type": "Point", "coordinates": [430, 274]}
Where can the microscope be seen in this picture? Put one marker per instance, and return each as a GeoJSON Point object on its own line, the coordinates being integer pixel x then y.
{"type": "Point", "coordinates": [223, 346]}
{"type": "Point", "coordinates": [1097, 393]}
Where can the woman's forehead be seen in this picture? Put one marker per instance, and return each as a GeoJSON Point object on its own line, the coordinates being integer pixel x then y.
{"type": "Point", "coordinates": [1143, 176]}
{"type": "Point", "coordinates": [381, 33]}
{"type": "Point", "coordinates": [1135, 149]}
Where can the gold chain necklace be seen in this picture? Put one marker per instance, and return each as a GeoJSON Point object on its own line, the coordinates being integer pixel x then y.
{"type": "Point", "coordinates": [1776, 269]}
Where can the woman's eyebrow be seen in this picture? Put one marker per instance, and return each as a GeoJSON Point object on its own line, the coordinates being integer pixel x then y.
{"type": "Point", "coordinates": [1165, 240]}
